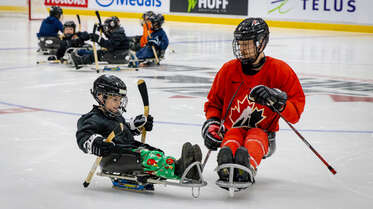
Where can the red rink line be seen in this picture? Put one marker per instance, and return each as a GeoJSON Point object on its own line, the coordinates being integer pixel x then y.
{"type": "Point", "coordinates": [341, 98]}
{"type": "Point", "coordinates": [18, 110]}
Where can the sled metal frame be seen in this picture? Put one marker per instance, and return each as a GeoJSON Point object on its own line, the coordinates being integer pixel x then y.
{"type": "Point", "coordinates": [231, 185]}
{"type": "Point", "coordinates": [182, 182]}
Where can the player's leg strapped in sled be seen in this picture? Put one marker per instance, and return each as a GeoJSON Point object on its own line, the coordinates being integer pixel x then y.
{"type": "Point", "coordinates": [81, 58]}
{"type": "Point", "coordinates": [236, 173]}
{"type": "Point", "coordinates": [140, 169]}
{"type": "Point", "coordinates": [146, 57]}
{"type": "Point", "coordinates": [48, 45]}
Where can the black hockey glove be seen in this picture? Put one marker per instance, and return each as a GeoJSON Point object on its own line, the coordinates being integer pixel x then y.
{"type": "Point", "coordinates": [97, 146]}
{"type": "Point", "coordinates": [83, 35]}
{"type": "Point", "coordinates": [100, 27]}
{"type": "Point", "coordinates": [94, 37]}
{"type": "Point", "coordinates": [210, 133]}
{"type": "Point", "coordinates": [273, 98]}
{"type": "Point", "coordinates": [141, 121]}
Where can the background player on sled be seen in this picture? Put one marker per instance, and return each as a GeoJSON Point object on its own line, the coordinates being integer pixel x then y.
{"type": "Point", "coordinates": [250, 89]}
{"type": "Point", "coordinates": [114, 47]}
{"type": "Point", "coordinates": [125, 154]}
{"type": "Point", "coordinates": [156, 37]}
{"type": "Point", "coordinates": [48, 32]}
{"type": "Point", "coordinates": [71, 39]}
{"type": "Point", "coordinates": [137, 42]}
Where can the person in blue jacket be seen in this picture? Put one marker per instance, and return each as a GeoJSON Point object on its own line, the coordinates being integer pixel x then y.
{"type": "Point", "coordinates": [157, 38]}
{"type": "Point", "coordinates": [52, 24]}
{"type": "Point", "coordinates": [49, 40]}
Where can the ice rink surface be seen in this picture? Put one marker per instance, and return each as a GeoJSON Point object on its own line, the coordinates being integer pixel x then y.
{"type": "Point", "coordinates": [42, 167]}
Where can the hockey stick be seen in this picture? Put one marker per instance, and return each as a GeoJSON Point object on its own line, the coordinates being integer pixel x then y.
{"type": "Point", "coordinates": [80, 25]}
{"type": "Point", "coordinates": [98, 159]}
{"type": "Point", "coordinates": [95, 50]}
{"type": "Point", "coordinates": [99, 21]}
{"type": "Point", "coordinates": [153, 48]}
{"type": "Point", "coordinates": [145, 99]}
{"type": "Point", "coordinates": [331, 169]}
{"type": "Point", "coordinates": [222, 123]}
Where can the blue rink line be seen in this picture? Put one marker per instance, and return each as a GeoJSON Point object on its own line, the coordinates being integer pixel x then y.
{"type": "Point", "coordinates": [195, 124]}
{"type": "Point", "coordinates": [16, 67]}
{"type": "Point", "coordinates": [195, 42]}
{"type": "Point", "coordinates": [18, 48]}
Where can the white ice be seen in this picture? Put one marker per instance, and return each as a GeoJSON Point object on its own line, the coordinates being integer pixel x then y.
{"type": "Point", "coordinates": [42, 167]}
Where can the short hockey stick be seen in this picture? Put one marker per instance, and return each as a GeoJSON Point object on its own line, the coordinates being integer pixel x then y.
{"type": "Point", "coordinates": [222, 123]}
{"type": "Point", "coordinates": [99, 21]}
{"type": "Point", "coordinates": [80, 25]}
{"type": "Point", "coordinates": [95, 50]}
{"type": "Point", "coordinates": [153, 48]}
{"type": "Point", "coordinates": [98, 159]}
{"type": "Point", "coordinates": [145, 99]}
{"type": "Point", "coordinates": [331, 169]}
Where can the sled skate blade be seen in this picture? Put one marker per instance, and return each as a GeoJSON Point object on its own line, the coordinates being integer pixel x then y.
{"type": "Point", "coordinates": [231, 185]}
{"type": "Point", "coordinates": [127, 185]}
{"type": "Point", "coordinates": [144, 179]}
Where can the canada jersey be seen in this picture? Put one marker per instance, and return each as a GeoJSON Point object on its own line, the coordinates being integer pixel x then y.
{"type": "Point", "coordinates": [244, 113]}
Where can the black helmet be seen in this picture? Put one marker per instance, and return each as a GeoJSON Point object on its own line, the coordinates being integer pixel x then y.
{"type": "Point", "coordinates": [255, 29]}
{"type": "Point", "coordinates": [55, 12]}
{"type": "Point", "coordinates": [147, 14]}
{"type": "Point", "coordinates": [110, 24]}
{"type": "Point", "coordinates": [157, 20]}
{"type": "Point", "coordinates": [110, 85]}
{"type": "Point", "coordinates": [69, 24]}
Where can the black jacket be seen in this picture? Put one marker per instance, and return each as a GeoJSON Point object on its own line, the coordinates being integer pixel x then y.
{"type": "Point", "coordinates": [96, 122]}
{"type": "Point", "coordinates": [68, 42]}
{"type": "Point", "coordinates": [117, 40]}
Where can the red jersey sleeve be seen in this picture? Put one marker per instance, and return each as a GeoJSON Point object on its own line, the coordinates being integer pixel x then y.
{"type": "Point", "coordinates": [291, 85]}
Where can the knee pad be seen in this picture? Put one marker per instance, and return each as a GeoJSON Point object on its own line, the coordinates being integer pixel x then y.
{"type": "Point", "coordinates": [234, 138]}
{"type": "Point", "coordinates": [256, 142]}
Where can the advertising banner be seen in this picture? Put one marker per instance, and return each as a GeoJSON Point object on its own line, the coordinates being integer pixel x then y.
{"type": "Point", "coordinates": [67, 3]}
{"type": "Point", "coordinates": [220, 7]}
{"type": "Point", "coordinates": [327, 11]}
{"type": "Point", "coordinates": [131, 5]}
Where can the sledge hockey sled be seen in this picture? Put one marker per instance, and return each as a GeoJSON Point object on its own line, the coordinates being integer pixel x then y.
{"type": "Point", "coordinates": [48, 45]}
{"type": "Point", "coordinates": [145, 181]}
{"type": "Point", "coordinates": [231, 185]}
{"type": "Point", "coordinates": [53, 61]}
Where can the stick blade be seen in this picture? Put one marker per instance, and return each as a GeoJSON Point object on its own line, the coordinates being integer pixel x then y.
{"type": "Point", "coordinates": [98, 16]}
{"type": "Point", "coordinates": [78, 17]}
{"type": "Point", "coordinates": [143, 91]}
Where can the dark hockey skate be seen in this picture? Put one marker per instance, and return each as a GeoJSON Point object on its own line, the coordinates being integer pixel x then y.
{"type": "Point", "coordinates": [225, 156]}
{"type": "Point", "coordinates": [76, 59]}
{"type": "Point", "coordinates": [234, 176]}
{"type": "Point", "coordinates": [197, 157]}
{"type": "Point", "coordinates": [242, 158]}
{"type": "Point", "coordinates": [187, 157]}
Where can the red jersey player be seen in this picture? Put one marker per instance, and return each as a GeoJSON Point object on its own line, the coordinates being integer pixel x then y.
{"type": "Point", "coordinates": [244, 96]}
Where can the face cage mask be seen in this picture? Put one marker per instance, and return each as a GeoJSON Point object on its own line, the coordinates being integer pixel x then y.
{"type": "Point", "coordinates": [250, 57]}
{"type": "Point", "coordinates": [122, 106]}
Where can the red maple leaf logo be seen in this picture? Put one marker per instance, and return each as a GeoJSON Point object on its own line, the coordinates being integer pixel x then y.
{"type": "Point", "coordinates": [245, 114]}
